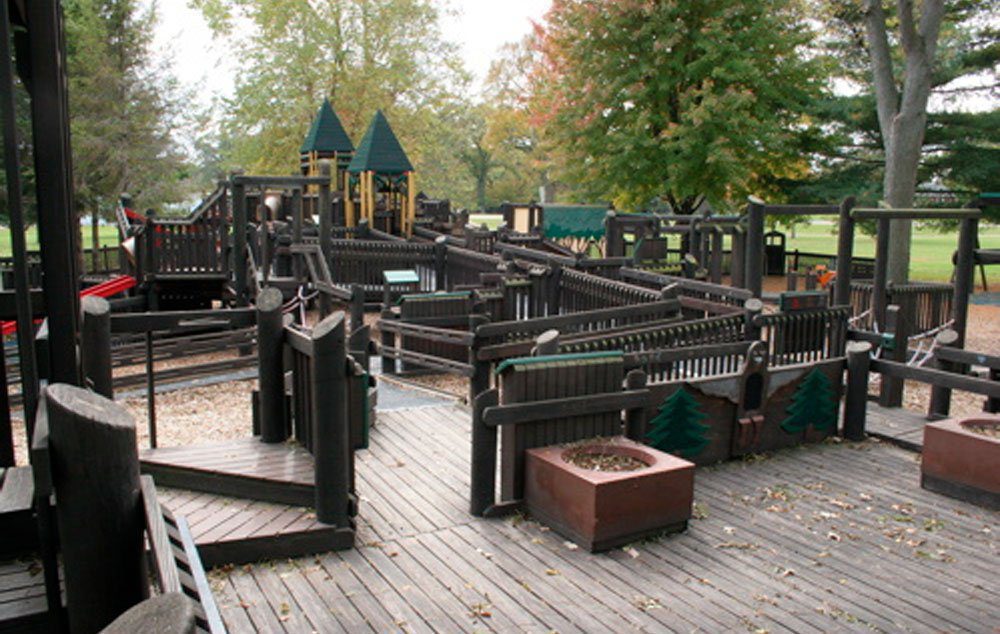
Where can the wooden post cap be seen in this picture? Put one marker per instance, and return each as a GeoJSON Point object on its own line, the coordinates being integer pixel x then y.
{"type": "Point", "coordinates": [269, 299]}
{"type": "Point", "coordinates": [93, 305]}
{"type": "Point", "coordinates": [753, 304]}
{"type": "Point", "coordinates": [946, 337]}
{"type": "Point", "coordinates": [858, 347]}
{"type": "Point", "coordinates": [170, 613]}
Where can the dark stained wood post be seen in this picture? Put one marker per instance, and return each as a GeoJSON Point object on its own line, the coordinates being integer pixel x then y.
{"type": "Point", "coordinates": [58, 224]}
{"type": "Point", "coordinates": [546, 344]}
{"type": "Point", "coordinates": [715, 257]}
{"type": "Point", "coordinates": [880, 291]}
{"type": "Point", "coordinates": [357, 307]}
{"type": "Point", "coordinates": [737, 257]}
{"type": "Point", "coordinates": [845, 254]}
{"type": "Point", "coordinates": [480, 380]}
{"type": "Point", "coordinates": [15, 212]}
{"type": "Point", "coordinates": [635, 419]}
{"type": "Point", "coordinates": [150, 260]}
{"type": "Point", "coordinates": [95, 339]}
{"type": "Point", "coordinates": [484, 455]}
{"type": "Point", "coordinates": [325, 205]}
{"type": "Point", "coordinates": [331, 434]}
{"type": "Point", "coordinates": [613, 246]}
{"type": "Point", "coordinates": [240, 241]}
{"type": "Point", "coordinates": [440, 262]}
{"type": "Point", "coordinates": [891, 393]}
{"type": "Point", "coordinates": [968, 236]}
{"type": "Point", "coordinates": [554, 289]}
{"type": "Point", "coordinates": [95, 473]}
{"type": "Point", "coordinates": [297, 220]}
{"type": "Point", "coordinates": [270, 367]}
{"type": "Point", "coordinates": [752, 307]}
{"type": "Point", "coordinates": [940, 403]}
{"type": "Point", "coordinates": [856, 396]}
{"type": "Point", "coordinates": [388, 341]}
{"type": "Point", "coordinates": [753, 269]}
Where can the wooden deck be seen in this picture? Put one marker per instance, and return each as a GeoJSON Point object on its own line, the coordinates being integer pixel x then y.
{"type": "Point", "coordinates": [22, 596]}
{"type": "Point", "coordinates": [898, 426]}
{"type": "Point", "coordinates": [830, 537]}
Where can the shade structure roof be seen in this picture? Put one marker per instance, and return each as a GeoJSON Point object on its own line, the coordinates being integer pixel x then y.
{"type": "Point", "coordinates": [327, 134]}
{"type": "Point", "coordinates": [379, 150]}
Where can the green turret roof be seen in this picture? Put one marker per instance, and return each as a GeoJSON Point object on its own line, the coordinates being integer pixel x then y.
{"type": "Point", "coordinates": [379, 150]}
{"type": "Point", "coordinates": [326, 134]}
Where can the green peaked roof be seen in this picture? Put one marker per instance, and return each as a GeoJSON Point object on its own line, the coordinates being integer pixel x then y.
{"type": "Point", "coordinates": [326, 134]}
{"type": "Point", "coordinates": [379, 150]}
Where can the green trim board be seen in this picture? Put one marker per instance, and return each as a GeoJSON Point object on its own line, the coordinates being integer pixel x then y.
{"type": "Point", "coordinates": [574, 221]}
{"type": "Point", "coordinates": [420, 296]}
{"type": "Point", "coordinates": [326, 133]}
{"type": "Point", "coordinates": [400, 276]}
{"type": "Point", "coordinates": [379, 150]}
{"type": "Point", "coordinates": [558, 358]}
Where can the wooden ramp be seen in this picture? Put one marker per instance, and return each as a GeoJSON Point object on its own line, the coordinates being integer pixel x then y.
{"type": "Point", "coordinates": [829, 537]}
{"type": "Point", "coordinates": [243, 499]}
{"type": "Point", "coordinates": [281, 473]}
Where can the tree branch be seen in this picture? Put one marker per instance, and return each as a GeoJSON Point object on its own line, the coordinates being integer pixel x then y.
{"type": "Point", "coordinates": [907, 30]}
{"type": "Point", "coordinates": [886, 95]}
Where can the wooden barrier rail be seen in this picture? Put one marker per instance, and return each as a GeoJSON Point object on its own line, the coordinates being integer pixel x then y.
{"type": "Point", "coordinates": [580, 291]}
{"type": "Point", "coordinates": [804, 337]}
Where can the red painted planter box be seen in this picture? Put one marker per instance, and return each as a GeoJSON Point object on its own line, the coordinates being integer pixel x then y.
{"type": "Point", "coordinates": [600, 510]}
{"type": "Point", "coordinates": [961, 463]}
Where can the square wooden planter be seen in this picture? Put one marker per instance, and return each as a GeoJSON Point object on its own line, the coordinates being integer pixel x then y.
{"type": "Point", "coordinates": [600, 510]}
{"type": "Point", "coordinates": [962, 463]}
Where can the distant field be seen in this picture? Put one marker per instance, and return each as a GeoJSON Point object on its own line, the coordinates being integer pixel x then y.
{"type": "Point", "coordinates": [930, 260]}
{"type": "Point", "coordinates": [108, 237]}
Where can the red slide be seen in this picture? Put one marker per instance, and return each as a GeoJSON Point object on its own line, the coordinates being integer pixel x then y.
{"type": "Point", "coordinates": [104, 289]}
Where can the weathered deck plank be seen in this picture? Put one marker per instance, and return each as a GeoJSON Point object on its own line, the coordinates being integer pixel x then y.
{"type": "Point", "coordinates": [831, 537]}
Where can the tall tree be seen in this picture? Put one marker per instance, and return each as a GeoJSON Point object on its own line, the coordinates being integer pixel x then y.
{"type": "Point", "coordinates": [363, 55]}
{"type": "Point", "coordinates": [902, 107]}
{"type": "Point", "coordinates": [124, 106]}
{"type": "Point", "coordinates": [675, 99]}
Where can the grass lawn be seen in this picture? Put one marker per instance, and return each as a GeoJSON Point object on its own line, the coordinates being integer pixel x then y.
{"type": "Point", "coordinates": [930, 258]}
{"type": "Point", "coordinates": [108, 237]}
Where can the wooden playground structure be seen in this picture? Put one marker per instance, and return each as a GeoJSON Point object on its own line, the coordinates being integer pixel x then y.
{"type": "Point", "coordinates": [325, 280]}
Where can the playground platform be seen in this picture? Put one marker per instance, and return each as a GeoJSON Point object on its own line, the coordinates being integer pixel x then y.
{"type": "Point", "coordinates": [828, 537]}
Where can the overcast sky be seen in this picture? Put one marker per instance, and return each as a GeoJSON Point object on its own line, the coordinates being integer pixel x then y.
{"type": "Point", "coordinates": [480, 28]}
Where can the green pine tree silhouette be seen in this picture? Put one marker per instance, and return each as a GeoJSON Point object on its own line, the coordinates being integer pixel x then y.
{"type": "Point", "coordinates": [812, 404]}
{"type": "Point", "coordinates": [677, 428]}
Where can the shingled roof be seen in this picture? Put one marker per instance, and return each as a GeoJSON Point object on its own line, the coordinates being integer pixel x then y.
{"type": "Point", "coordinates": [379, 150]}
{"type": "Point", "coordinates": [326, 134]}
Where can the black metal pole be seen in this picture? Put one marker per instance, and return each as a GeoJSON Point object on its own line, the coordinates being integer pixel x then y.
{"type": "Point", "coordinates": [58, 226]}
{"type": "Point", "coordinates": [22, 289]}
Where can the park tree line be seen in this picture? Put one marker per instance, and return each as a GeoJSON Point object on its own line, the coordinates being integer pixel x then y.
{"type": "Point", "coordinates": [644, 104]}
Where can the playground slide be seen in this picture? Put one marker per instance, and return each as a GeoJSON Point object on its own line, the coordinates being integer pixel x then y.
{"type": "Point", "coordinates": [109, 288]}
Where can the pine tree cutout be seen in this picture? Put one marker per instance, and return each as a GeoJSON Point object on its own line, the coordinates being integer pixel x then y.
{"type": "Point", "coordinates": [812, 404]}
{"type": "Point", "coordinates": [677, 428]}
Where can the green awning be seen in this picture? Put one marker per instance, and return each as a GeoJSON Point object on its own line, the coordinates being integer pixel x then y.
{"type": "Point", "coordinates": [574, 221]}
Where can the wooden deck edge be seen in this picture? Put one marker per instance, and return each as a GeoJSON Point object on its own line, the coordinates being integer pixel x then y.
{"type": "Point", "coordinates": [297, 544]}
{"type": "Point", "coordinates": [231, 484]}
{"type": "Point", "coordinates": [900, 441]}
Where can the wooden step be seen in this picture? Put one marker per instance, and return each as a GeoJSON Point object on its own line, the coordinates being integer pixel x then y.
{"type": "Point", "coordinates": [17, 522]}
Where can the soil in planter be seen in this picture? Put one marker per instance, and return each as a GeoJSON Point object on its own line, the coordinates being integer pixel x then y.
{"type": "Point", "coordinates": [985, 429]}
{"type": "Point", "coordinates": [602, 461]}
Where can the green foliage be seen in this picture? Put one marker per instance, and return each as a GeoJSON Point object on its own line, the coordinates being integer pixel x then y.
{"type": "Point", "coordinates": [124, 107]}
{"type": "Point", "coordinates": [675, 99]}
{"type": "Point", "coordinates": [364, 56]}
{"type": "Point", "coordinates": [813, 403]}
{"type": "Point", "coordinates": [961, 149]}
{"type": "Point", "coordinates": [677, 428]}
